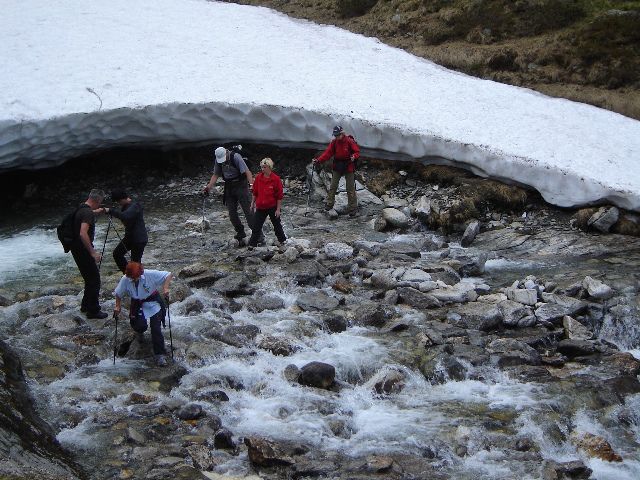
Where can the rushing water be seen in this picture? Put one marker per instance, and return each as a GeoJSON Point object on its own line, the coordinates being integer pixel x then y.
{"type": "Point", "coordinates": [484, 412]}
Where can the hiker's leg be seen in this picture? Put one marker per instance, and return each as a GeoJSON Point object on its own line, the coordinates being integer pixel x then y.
{"type": "Point", "coordinates": [352, 199]}
{"type": "Point", "coordinates": [333, 188]}
{"type": "Point", "coordinates": [91, 276]}
{"type": "Point", "coordinates": [137, 249]}
{"type": "Point", "coordinates": [119, 256]}
{"type": "Point", "coordinates": [157, 339]}
{"type": "Point", "coordinates": [277, 225]}
{"type": "Point", "coordinates": [232, 207]}
{"type": "Point", "coordinates": [245, 202]}
{"type": "Point", "coordinates": [258, 221]}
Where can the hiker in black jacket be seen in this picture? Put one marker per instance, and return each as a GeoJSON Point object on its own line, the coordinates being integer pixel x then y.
{"type": "Point", "coordinates": [135, 233]}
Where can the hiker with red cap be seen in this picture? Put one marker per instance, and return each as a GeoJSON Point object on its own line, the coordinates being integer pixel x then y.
{"type": "Point", "coordinates": [345, 151]}
{"type": "Point", "coordinates": [135, 232]}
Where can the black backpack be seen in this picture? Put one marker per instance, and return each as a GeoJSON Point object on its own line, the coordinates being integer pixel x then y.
{"type": "Point", "coordinates": [66, 229]}
{"type": "Point", "coordinates": [238, 149]}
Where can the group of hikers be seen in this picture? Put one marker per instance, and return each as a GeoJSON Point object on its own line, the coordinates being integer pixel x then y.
{"type": "Point", "coordinates": [258, 197]}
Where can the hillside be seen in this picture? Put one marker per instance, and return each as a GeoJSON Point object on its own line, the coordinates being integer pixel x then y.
{"type": "Point", "coordinates": [583, 50]}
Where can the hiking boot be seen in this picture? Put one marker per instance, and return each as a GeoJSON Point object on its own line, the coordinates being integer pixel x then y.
{"type": "Point", "coordinates": [161, 360]}
{"type": "Point", "coordinates": [99, 315]}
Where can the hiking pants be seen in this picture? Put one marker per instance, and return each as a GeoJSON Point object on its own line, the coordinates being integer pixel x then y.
{"type": "Point", "coordinates": [238, 193]}
{"type": "Point", "coordinates": [139, 325]}
{"type": "Point", "coordinates": [91, 276]}
{"type": "Point", "coordinates": [259, 218]}
{"type": "Point", "coordinates": [350, 180]}
{"type": "Point", "coordinates": [137, 249]}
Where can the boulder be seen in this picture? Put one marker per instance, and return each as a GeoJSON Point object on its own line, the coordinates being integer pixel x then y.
{"type": "Point", "coordinates": [470, 233]}
{"type": "Point", "coordinates": [316, 300]}
{"type": "Point", "coordinates": [233, 285]}
{"type": "Point", "coordinates": [596, 288]}
{"type": "Point", "coordinates": [265, 302]}
{"type": "Point", "coordinates": [525, 296]}
{"type": "Point", "coordinates": [604, 219]}
{"type": "Point", "coordinates": [395, 218]}
{"type": "Point", "coordinates": [191, 411]}
{"type": "Point", "coordinates": [266, 453]}
{"type": "Point", "coordinates": [318, 375]}
{"type": "Point", "coordinates": [338, 251]}
{"type": "Point", "coordinates": [478, 316]}
{"type": "Point", "coordinates": [574, 330]}
{"type": "Point", "coordinates": [576, 348]}
{"type": "Point", "coordinates": [515, 314]}
{"type": "Point", "coordinates": [416, 298]}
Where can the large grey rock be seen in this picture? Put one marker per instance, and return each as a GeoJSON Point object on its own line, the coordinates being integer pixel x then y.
{"type": "Point", "coordinates": [267, 453]}
{"type": "Point", "coordinates": [416, 298]}
{"type": "Point", "coordinates": [574, 330]}
{"type": "Point", "coordinates": [458, 293]}
{"type": "Point", "coordinates": [317, 374]}
{"type": "Point", "coordinates": [233, 284]}
{"type": "Point", "coordinates": [596, 288]}
{"type": "Point", "coordinates": [338, 251]}
{"type": "Point", "coordinates": [304, 272]}
{"type": "Point", "coordinates": [370, 314]}
{"type": "Point", "coordinates": [265, 302]}
{"type": "Point", "coordinates": [478, 316]}
{"type": "Point", "coordinates": [395, 218]}
{"type": "Point", "coordinates": [423, 209]}
{"type": "Point", "coordinates": [239, 335]}
{"type": "Point", "coordinates": [191, 411]}
{"type": "Point", "coordinates": [508, 352]}
{"type": "Point", "coordinates": [470, 233]}
{"type": "Point", "coordinates": [526, 296]}
{"type": "Point", "coordinates": [316, 300]}
{"type": "Point", "coordinates": [604, 219]}
{"type": "Point", "coordinates": [384, 279]}
{"type": "Point", "coordinates": [576, 348]}
{"type": "Point", "coordinates": [515, 314]}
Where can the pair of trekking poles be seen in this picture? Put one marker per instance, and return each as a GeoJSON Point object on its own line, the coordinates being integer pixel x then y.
{"type": "Point", "coordinates": [115, 315]}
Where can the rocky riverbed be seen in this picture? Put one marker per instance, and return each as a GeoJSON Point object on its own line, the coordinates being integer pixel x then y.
{"type": "Point", "coordinates": [446, 332]}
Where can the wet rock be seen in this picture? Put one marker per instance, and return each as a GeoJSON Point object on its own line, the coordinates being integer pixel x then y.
{"type": "Point", "coordinates": [551, 313]}
{"type": "Point", "coordinates": [604, 219]}
{"type": "Point", "coordinates": [508, 352]}
{"type": "Point", "coordinates": [140, 398]}
{"type": "Point", "coordinates": [459, 293]}
{"type": "Point", "coordinates": [191, 411]}
{"type": "Point", "coordinates": [388, 382]}
{"type": "Point", "coordinates": [576, 348]}
{"type": "Point", "coordinates": [207, 279]}
{"type": "Point", "coordinates": [317, 374]}
{"type": "Point", "coordinates": [64, 322]}
{"type": "Point", "coordinates": [213, 396]}
{"type": "Point", "coordinates": [291, 373]}
{"type": "Point", "coordinates": [439, 366]}
{"type": "Point", "coordinates": [478, 316]}
{"type": "Point", "coordinates": [596, 447]}
{"type": "Point", "coordinates": [193, 305]}
{"type": "Point", "coordinates": [446, 275]}
{"type": "Point", "coordinates": [338, 251]}
{"type": "Point", "coordinates": [395, 218]}
{"type": "Point", "coordinates": [239, 335]}
{"type": "Point", "coordinates": [416, 298]}
{"type": "Point", "coordinates": [134, 436]}
{"type": "Point", "coordinates": [625, 363]}
{"type": "Point", "coordinates": [596, 288]}
{"type": "Point", "coordinates": [383, 279]}
{"type": "Point", "coordinates": [574, 330]}
{"type": "Point", "coordinates": [515, 314]}
{"type": "Point", "coordinates": [335, 323]}
{"type": "Point", "coordinates": [370, 314]}
{"type": "Point", "coordinates": [525, 296]}
{"type": "Point", "coordinates": [304, 272]}
{"type": "Point", "coordinates": [223, 440]}
{"type": "Point", "coordinates": [423, 209]}
{"type": "Point", "coordinates": [179, 291]}
{"type": "Point", "coordinates": [575, 470]}
{"type": "Point", "coordinates": [277, 345]}
{"type": "Point", "coordinates": [379, 224]}
{"type": "Point", "coordinates": [265, 302]}
{"type": "Point", "coordinates": [201, 457]}
{"type": "Point", "coordinates": [233, 285]}
{"type": "Point", "coordinates": [168, 378]}
{"type": "Point", "coordinates": [316, 300]}
{"type": "Point", "coordinates": [470, 233]}
{"type": "Point", "coordinates": [266, 453]}
{"type": "Point", "coordinates": [192, 270]}
{"type": "Point", "coordinates": [405, 249]}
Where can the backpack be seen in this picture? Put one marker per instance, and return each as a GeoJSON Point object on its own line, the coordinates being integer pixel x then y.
{"type": "Point", "coordinates": [66, 229]}
{"type": "Point", "coordinates": [238, 149]}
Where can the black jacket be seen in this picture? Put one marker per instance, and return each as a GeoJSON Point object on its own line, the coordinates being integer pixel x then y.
{"type": "Point", "coordinates": [134, 228]}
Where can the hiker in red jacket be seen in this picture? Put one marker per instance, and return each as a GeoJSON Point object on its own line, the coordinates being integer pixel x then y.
{"type": "Point", "coordinates": [267, 200]}
{"type": "Point", "coordinates": [345, 151]}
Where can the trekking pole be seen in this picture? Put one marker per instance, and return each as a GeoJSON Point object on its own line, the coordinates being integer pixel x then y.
{"type": "Point", "coordinates": [105, 243]}
{"type": "Point", "coordinates": [170, 334]}
{"type": "Point", "coordinates": [115, 338]}
{"type": "Point", "coordinates": [204, 240]}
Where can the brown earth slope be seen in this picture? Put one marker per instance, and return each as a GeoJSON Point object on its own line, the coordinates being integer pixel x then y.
{"type": "Point", "coordinates": [583, 50]}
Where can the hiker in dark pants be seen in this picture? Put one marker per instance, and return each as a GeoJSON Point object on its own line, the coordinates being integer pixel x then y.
{"type": "Point", "coordinates": [237, 180]}
{"type": "Point", "coordinates": [86, 256]}
{"type": "Point", "coordinates": [145, 287]}
{"type": "Point", "coordinates": [135, 233]}
{"type": "Point", "coordinates": [345, 151]}
{"type": "Point", "coordinates": [267, 200]}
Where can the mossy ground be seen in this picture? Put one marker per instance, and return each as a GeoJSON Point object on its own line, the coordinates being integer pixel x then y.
{"type": "Point", "coordinates": [583, 50]}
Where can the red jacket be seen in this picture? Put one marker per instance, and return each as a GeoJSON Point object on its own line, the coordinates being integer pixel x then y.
{"type": "Point", "coordinates": [267, 191]}
{"type": "Point", "coordinates": [341, 149]}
